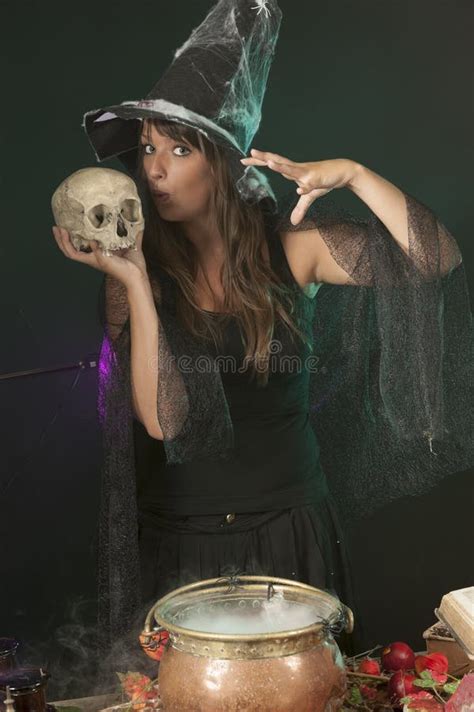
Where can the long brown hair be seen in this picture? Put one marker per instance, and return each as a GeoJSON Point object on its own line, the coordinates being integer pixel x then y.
{"type": "Point", "coordinates": [254, 293]}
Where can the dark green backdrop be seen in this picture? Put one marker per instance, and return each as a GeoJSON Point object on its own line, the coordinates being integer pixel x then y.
{"type": "Point", "coordinates": [385, 82]}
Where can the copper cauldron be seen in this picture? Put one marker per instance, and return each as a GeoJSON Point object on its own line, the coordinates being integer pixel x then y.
{"type": "Point", "coordinates": [250, 644]}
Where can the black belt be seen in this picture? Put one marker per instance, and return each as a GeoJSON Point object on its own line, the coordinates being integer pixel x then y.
{"type": "Point", "coordinates": [205, 524]}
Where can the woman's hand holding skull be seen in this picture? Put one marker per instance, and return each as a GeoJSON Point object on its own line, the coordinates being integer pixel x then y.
{"type": "Point", "coordinates": [126, 265]}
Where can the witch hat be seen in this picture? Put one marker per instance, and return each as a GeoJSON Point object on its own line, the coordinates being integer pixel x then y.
{"type": "Point", "coordinates": [215, 84]}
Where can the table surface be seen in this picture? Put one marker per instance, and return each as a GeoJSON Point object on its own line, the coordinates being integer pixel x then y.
{"type": "Point", "coordinates": [93, 703]}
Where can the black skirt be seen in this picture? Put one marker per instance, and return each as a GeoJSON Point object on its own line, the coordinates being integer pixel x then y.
{"type": "Point", "coordinates": [303, 543]}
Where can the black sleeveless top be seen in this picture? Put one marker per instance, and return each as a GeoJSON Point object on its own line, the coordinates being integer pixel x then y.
{"type": "Point", "coordinates": [275, 462]}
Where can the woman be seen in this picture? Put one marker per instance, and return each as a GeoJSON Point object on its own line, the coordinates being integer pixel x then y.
{"type": "Point", "coordinates": [239, 468]}
{"type": "Point", "coordinates": [268, 510]}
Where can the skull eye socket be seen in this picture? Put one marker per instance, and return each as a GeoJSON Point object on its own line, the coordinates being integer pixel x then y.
{"type": "Point", "coordinates": [97, 215]}
{"type": "Point", "coordinates": [130, 210]}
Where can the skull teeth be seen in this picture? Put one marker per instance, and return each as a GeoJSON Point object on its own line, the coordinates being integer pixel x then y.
{"type": "Point", "coordinates": [116, 246]}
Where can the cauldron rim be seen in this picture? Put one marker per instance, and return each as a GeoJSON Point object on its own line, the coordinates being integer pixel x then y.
{"type": "Point", "coordinates": [249, 644]}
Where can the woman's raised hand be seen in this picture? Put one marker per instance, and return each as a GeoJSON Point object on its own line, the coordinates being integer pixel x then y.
{"type": "Point", "coordinates": [314, 178]}
{"type": "Point", "coordinates": [125, 265]}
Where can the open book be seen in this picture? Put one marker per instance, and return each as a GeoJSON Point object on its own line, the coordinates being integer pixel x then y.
{"type": "Point", "coordinates": [456, 610]}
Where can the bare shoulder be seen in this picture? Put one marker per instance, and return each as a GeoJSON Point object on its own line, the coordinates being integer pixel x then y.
{"type": "Point", "coordinates": [299, 247]}
{"type": "Point", "coordinates": [310, 259]}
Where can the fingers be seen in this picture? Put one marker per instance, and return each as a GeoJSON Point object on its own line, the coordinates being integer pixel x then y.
{"type": "Point", "coordinates": [268, 156]}
{"type": "Point", "coordinates": [63, 240]}
{"type": "Point", "coordinates": [301, 208]}
{"type": "Point", "coordinates": [59, 237]}
{"type": "Point", "coordinates": [251, 161]}
{"type": "Point", "coordinates": [287, 170]}
{"type": "Point", "coordinates": [139, 240]}
{"type": "Point", "coordinates": [284, 170]}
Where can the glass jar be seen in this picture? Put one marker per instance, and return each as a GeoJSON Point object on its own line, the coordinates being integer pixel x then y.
{"type": "Point", "coordinates": [27, 687]}
{"type": "Point", "coordinates": [8, 648]}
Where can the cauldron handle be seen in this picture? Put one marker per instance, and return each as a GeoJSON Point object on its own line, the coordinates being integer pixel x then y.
{"type": "Point", "coordinates": [150, 622]}
{"type": "Point", "coordinates": [349, 619]}
{"type": "Point", "coordinates": [153, 638]}
{"type": "Point", "coordinates": [343, 621]}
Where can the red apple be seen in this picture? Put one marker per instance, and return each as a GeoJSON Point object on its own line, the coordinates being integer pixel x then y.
{"type": "Point", "coordinates": [424, 702]}
{"type": "Point", "coordinates": [436, 663]}
{"type": "Point", "coordinates": [370, 667]}
{"type": "Point", "coordinates": [369, 692]}
{"type": "Point", "coordinates": [398, 656]}
{"type": "Point", "coordinates": [400, 685]}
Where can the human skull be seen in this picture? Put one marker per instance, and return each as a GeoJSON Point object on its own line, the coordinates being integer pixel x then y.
{"type": "Point", "coordinates": [99, 204]}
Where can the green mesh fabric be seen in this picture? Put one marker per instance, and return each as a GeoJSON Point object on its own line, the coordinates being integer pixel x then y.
{"type": "Point", "coordinates": [392, 396]}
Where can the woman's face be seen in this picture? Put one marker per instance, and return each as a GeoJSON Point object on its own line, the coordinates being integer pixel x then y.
{"type": "Point", "coordinates": [179, 169]}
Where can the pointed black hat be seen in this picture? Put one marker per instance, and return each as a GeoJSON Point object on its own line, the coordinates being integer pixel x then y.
{"type": "Point", "coordinates": [215, 84]}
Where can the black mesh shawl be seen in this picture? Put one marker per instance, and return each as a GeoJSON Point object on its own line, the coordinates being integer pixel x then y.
{"type": "Point", "coordinates": [391, 397]}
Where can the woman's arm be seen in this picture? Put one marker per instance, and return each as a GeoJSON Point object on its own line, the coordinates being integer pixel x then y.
{"type": "Point", "coordinates": [339, 252]}
{"type": "Point", "coordinates": [128, 295]}
{"type": "Point", "coordinates": [414, 227]}
{"type": "Point", "coordinates": [144, 334]}
{"type": "Point", "coordinates": [383, 198]}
